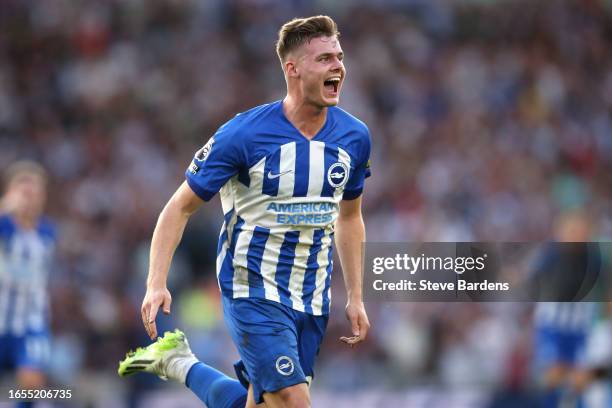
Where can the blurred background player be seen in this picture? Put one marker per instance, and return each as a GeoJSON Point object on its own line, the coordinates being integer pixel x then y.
{"type": "Point", "coordinates": [27, 243]}
{"type": "Point", "coordinates": [594, 376]}
{"type": "Point", "coordinates": [562, 328]}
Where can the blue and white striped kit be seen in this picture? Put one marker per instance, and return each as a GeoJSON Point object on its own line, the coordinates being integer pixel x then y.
{"type": "Point", "coordinates": [25, 260]}
{"type": "Point", "coordinates": [280, 194]}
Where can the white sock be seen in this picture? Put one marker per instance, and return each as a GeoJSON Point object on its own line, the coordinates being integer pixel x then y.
{"type": "Point", "coordinates": [178, 367]}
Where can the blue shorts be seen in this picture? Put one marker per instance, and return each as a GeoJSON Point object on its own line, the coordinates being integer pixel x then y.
{"type": "Point", "coordinates": [27, 351]}
{"type": "Point", "coordinates": [553, 346]}
{"type": "Point", "coordinates": [277, 344]}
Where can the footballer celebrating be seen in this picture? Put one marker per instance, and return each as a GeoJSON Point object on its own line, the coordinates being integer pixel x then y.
{"type": "Point", "coordinates": [290, 175]}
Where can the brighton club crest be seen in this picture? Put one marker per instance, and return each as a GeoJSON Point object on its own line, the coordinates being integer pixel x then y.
{"type": "Point", "coordinates": [337, 175]}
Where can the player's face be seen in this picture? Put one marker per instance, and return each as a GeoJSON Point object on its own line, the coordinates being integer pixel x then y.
{"type": "Point", "coordinates": [321, 71]}
{"type": "Point", "coordinates": [27, 193]}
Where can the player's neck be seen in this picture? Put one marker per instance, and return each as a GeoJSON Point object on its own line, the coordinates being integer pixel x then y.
{"type": "Point", "coordinates": [306, 118]}
{"type": "Point", "coordinates": [24, 220]}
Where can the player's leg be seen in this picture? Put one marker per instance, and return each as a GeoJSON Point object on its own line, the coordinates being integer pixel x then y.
{"type": "Point", "coordinates": [551, 368]}
{"type": "Point", "coordinates": [214, 388]}
{"type": "Point", "coordinates": [266, 336]}
{"type": "Point", "coordinates": [572, 346]}
{"type": "Point", "coordinates": [30, 379]}
{"type": "Point", "coordinates": [251, 400]}
{"type": "Point", "coordinates": [31, 357]}
{"type": "Point", "coordinates": [295, 396]}
{"type": "Point", "coordinates": [310, 331]}
{"type": "Point", "coordinates": [171, 357]}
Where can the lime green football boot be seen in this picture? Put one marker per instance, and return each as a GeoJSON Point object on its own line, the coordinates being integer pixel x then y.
{"type": "Point", "coordinates": [169, 357]}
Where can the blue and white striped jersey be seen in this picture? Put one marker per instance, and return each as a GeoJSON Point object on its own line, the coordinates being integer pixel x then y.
{"type": "Point", "coordinates": [565, 317]}
{"type": "Point", "coordinates": [25, 260]}
{"type": "Point", "coordinates": [280, 194]}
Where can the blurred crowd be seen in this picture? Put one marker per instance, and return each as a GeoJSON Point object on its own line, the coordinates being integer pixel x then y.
{"type": "Point", "coordinates": [490, 121]}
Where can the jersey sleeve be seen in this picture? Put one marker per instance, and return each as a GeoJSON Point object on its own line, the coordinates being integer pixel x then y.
{"type": "Point", "coordinates": [354, 186]}
{"type": "Point", "coordinates": [6, 226]}
{"type": "Point", "coordinates": [48, 229]}
{"type": "Point", "coordinates": [215, 163]}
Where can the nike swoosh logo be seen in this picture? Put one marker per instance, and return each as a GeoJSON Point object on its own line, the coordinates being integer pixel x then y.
{"type": "Point", "coordinates": [273, 176]}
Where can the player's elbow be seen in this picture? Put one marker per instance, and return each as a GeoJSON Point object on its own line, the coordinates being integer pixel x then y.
{"type": "Point", "coordinates": [173, 213]}
{"type": "Point", "coordinates": [350, 218]}
{"type": "Point", "coordinates": [173, 210]}
{"type": "Point", "coordinates": [351, 221]}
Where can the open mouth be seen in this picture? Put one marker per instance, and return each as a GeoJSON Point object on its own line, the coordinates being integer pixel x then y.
{"type": "Point", "coordinates": [331, 85]}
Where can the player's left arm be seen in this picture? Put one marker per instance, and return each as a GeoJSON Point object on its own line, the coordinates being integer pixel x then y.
{"type": "Point", "coordinates": [349, 236]}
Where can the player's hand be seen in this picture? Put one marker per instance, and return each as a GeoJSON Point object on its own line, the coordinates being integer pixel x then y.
{"type": "Point", "coordinates": [153, 300]}
{"type": "Point", "coordinates": [358, 318]}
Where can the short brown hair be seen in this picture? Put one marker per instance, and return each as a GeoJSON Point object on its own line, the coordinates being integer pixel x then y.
{"type": "Point", "coordinates": [299, 31]}
{"type": "Point", "coordinates": [24, 167]}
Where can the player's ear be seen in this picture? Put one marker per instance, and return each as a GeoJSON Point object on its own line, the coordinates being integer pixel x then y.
{"type": "Point", "coordinates": [291, 68]}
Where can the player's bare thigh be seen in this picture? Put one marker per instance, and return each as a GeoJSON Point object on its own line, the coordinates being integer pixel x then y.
{"type": "Point", "coordinates": [296, 396]}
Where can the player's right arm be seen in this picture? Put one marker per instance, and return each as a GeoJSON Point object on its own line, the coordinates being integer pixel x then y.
{"type": "Point", "coordinates": [212, 166]}
{"type": "Point", "coordinates": [166, 237]}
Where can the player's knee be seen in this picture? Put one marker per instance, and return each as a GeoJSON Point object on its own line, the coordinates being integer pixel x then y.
{"type": "Point", "coordinates": [296, 396]}
{"type": "Point", "coordinates": [30, 379]}
{"type": "Point", "coordinates": [556, 375]}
